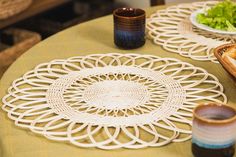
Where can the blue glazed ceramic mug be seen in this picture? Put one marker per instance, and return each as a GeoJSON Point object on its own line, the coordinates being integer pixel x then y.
{"type": "Point", "coordinates": [214, 130]}
{"type": "Point", "coordinates": [129, 27]}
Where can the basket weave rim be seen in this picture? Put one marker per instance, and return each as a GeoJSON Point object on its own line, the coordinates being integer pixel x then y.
{"type": "Point", "coordinates": [226, 63]}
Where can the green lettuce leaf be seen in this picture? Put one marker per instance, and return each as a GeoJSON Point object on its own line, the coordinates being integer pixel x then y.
{"type": "Point", "coordinates": [231, 27]}
{"type": "Point", "coordinates": [222, 16]}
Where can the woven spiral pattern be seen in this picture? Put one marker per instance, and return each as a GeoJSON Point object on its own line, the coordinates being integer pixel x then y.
{"type": "Point", "coordinates": [171, 28]}
{"type": "Point", "coordinates": [111, 100]}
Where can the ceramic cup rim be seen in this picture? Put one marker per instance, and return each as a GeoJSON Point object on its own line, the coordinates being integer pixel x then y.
{"type": "Point", "coordinates": [212, 121]}
{"type": "Point", "coordinates": [126, 17]}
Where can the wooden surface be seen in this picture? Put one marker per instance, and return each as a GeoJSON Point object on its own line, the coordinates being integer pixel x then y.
{"type": "Point", "coordinates": [38, 6]}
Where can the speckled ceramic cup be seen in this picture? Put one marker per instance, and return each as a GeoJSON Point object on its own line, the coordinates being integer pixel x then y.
{"type": "Point", "coordinates": [129, 27]}
{"type": "Point", "coordinates": [214, 130]}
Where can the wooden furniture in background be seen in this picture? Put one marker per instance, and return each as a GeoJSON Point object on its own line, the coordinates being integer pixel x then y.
{"type": "Point", "coordinates": [157, 2]}
{"type": "Point", "coordinates": [9, 8]}
{"type": "Point", "coordinates": [15, 42]}
{"type": "Point", "coordinates": [37, 7]}
{"type": "Point", "coordinates": [67, 15]}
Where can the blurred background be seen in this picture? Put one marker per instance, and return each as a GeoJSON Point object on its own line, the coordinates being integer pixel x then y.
{"type": "Point", "coordinates": [148, 3]}
{"type": "Point", "coordinates": [24, 23]}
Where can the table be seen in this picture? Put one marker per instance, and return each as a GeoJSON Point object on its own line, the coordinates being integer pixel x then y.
{"type": "Point", "coordinates": [95, 36]}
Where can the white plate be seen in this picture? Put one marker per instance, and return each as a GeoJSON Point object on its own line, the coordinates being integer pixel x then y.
{"type": "Point", "coordinates": [193, 19]}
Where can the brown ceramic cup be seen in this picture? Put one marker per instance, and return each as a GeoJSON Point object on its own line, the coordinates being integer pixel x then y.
{"type": "Point", "coordinates": [129, 27]}
{"type": "Point", "coordinates": [213, 131]}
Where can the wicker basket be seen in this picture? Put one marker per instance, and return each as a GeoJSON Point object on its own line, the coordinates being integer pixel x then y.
{"type": "Point", "coordinates": [227, 65]}
{"type": "Point", "coordinates": [15, 42]}
{"type": "Point", "coordinates": [9, 8]}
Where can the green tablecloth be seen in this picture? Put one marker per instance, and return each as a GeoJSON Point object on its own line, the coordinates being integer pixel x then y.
{"type": "Point", "coordinates": [95, 36]}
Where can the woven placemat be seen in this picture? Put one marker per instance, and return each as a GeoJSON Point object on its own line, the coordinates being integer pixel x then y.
{"type": "Point", "coordinates": [171, 28]}
{"type": "Point", "coordinates": [111, 100]}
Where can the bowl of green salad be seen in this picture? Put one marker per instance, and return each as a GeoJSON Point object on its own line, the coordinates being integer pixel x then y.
{"type": "Point", "coordinates": [220, 18]}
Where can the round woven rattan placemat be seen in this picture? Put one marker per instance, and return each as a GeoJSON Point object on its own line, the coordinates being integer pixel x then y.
{"type": "Point", "coordinates": [171, 28]}
{"type": "Point", "coordinates": [111, 100]}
